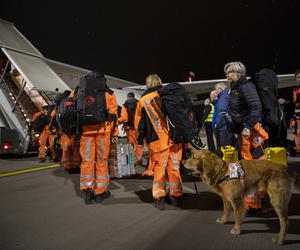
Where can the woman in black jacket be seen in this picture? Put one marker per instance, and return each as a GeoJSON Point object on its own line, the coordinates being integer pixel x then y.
{"type": "Point", "coordinates": [245, 114]}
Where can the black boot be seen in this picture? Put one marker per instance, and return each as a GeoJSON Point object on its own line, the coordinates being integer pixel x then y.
{"type": "Point", "coordinates": [174, 201]}
{"type": "Point", "coordinates": [160, 203]}
{"type": "Point", "coordinates": [43, 160]}
{"type": "Point", "coordinates": [89, 196]}
{"type": "Point", "coordinates": [101, 197]}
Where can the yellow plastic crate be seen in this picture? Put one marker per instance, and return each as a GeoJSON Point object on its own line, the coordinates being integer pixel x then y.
{"type": "Point", "coordinates": [277, 155]}
{"type": "Point", "coordinates": [227, 154]}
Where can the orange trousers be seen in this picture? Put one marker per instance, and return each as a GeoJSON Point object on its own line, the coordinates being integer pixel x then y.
{"type": "Point", "coordinates": [70, 152]}
{"type": "Point", "coordinates": [149, 171]}
{"type": "Point", "coordinates": [167, 163]}
{"type": "Point", "coordinates": [251, 147]}
{"type": "Point", "coordinates": [94, 151]}
{"type": "Point", "coordinates": [44, 137]}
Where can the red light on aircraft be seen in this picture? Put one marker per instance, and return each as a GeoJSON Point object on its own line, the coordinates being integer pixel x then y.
{"type": "Point", "coordinates": [6, 146]}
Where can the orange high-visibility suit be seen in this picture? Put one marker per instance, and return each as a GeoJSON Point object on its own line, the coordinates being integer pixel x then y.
{"type": "Point", "coordinates": [45, 136]}
{"type": "Point", "coordinates": [70, 149]}
{"type": "Point", "coordinates": [130, 134]}
{"type": "Point", "coordinates": [251, 147]}
{"type": "Point", "coordinates": [55, 133]}
{"type": "Point", "coordinates": [165, 156]}
{"type": "Point", "coordinates": [94, 150]}
{"type": "Point", "coordinates": [70, 152]}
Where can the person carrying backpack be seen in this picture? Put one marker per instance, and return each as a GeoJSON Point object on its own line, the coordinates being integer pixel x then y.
{"type": "Point", "coordinates": [164, 154]}
{"type": "Point", "coordinates": [97, 114]}
{"type": "Point", "coordinates": [127, 119]}
{"type": "Point", "coordinates": [266, 82]}
{"type": "Point", "coordinates": [40, 124]}
{"type": "Point", "coordinates": [65, 117]}
{"type": "Point", "coordinates": [245, 115]}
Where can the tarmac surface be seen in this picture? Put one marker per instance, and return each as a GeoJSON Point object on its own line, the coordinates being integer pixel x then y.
{"type": "Point", "coordinates": [45, 210]}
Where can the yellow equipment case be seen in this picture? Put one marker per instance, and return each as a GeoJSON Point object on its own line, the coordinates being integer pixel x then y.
{"type": "Point", "coordinates": [277, 155]}
{"type": "Point", "coordinates": [227, 154]}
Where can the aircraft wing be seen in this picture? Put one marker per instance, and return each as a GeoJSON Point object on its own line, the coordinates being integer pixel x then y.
{"type": "Point", "coordinates": [199, 90]}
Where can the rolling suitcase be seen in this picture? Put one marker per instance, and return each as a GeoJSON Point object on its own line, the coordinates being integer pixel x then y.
{"type": "Point", "coordinates": [277, 155]}
{"type": "Point", "coordinates": [121, 160]}
{"type": "Point", "coordinates": [229, 154]}
{"type": "Point", "coordinates": [112, 161]}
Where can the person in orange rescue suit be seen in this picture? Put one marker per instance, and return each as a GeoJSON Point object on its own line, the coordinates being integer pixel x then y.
{"type": "Point", "coordinates": [70, 148]}
{"type": "Point", "coordinates": [127, 118]}
{"type": "Point", "coordinates": [296, 101]}
{"type": "Point", "coordinates": [164, 155]}
{"type": "Point", "coordinates": [45, 136]}
{"type": "Point", "coordinates": [245, 112]}
{"type": "Point", "coordinates": [94, 150]}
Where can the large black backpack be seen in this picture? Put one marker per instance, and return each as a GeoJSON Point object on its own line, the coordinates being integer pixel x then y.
{"type": "Point", "coordinates": [39, 123]}
{"type": "Point", "coordinates": [66, 116]}
{"type": "Point", "coordinates": [90, 99]}
{"type": "Point", "coordinates": [131, 107]}
{"type": "Point", "coordinates": [177, 108]}
{"type": "Point", "coordinates": [266, 82]}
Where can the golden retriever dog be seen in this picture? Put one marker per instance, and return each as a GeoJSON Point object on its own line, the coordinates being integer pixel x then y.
{"type": "Point", "coordinates": [260, 175]}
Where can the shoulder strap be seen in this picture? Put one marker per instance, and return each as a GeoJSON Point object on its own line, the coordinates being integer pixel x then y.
{"type": "Point", "coordinates": [110, 91]}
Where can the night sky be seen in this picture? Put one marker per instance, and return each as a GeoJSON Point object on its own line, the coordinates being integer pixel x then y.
{"type": "Point", "coordinates": [130, 39]}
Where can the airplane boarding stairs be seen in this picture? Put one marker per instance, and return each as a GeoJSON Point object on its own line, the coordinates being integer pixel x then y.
{"type": "Point", "coordinates": [18, 115]}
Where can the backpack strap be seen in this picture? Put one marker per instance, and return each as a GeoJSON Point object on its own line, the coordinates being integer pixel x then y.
{"type": "Point", "coordinates": [110, 91]}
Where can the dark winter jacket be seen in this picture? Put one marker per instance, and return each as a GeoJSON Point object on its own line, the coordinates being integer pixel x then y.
{"type": "Point", "coordinates": [244, 104]}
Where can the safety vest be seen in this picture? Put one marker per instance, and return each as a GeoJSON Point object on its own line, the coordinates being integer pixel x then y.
{"type": "Point", "coordinates": [148, 102]}
{"type": "Point", "coordinates": [209, 118]}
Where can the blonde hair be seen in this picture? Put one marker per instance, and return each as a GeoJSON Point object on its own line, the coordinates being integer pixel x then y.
{"type": "Point", "coordinates": [153, 80]}
{"type": "Point", "coordinates": [221, 85]}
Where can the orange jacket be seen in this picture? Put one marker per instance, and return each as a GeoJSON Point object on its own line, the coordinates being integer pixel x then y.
{"type": "Point", "coordinates": [108, 126]}
{"type": "Point", "coordinates": [72, 94]}
{"type": "Point", "coordinates": [52, 120]}
{"type": "Point", "coordinates": [124, 115]}
{"type": "Point", "coordinates": [151, 124]}
{"type": "Point", "coordinates": [36, 115]}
